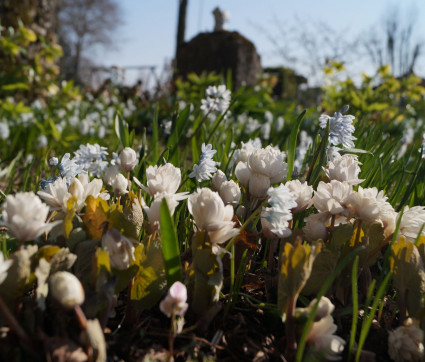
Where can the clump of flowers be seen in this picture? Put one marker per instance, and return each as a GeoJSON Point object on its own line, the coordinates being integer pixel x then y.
{"type": "Point", "coordinates": [217, 100]}
{"type": "Point", "coordinates": [264, 167]}
{"type": "Point", "coordinates": [92, 158]}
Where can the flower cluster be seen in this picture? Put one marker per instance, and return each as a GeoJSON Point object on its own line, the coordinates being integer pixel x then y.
{"type": "Point", "coordinates": [264, 167]}
{"type": "Point", "coordinates": [340, 129]}
{"type": "Point", "coordinates": [217, 100]}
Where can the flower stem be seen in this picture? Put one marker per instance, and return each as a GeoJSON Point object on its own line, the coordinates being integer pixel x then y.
{"type": "Point", "coordinates": [13, 324]}
{"type": "Point", "coordinates": [313, 162]}
{"type": "Point", "coordinates": [245, 224]}
{"type": "Point", "coordinates": [291, 343]}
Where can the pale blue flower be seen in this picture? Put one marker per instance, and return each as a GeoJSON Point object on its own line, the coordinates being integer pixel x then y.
{"type": "Point", "coordinates": [92, 158]}
{"type": "Point", "coordinates": [206, 168]}
{"type": "Point", "coordinates": [340, 129]}
{"type": "Point", "coordinates": [278, 216]}
{"type": "Point", "coordinates": [332, 153]}
{"type": "Point", "coordinates": [217, 100]}
{"type": "Point", "coordinates": [69, 168]}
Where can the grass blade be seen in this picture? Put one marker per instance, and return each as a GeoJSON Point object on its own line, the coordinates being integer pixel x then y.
{"type": "Point", "coordinates": [170, 247]}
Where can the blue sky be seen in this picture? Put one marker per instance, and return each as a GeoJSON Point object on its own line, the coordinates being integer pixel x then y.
{"type": "Point", "coordinates": [147, 36]}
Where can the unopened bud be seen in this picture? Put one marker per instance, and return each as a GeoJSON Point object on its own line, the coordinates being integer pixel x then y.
{"type": "Point", "coordinates": [128, 159]}
{"type": "Point", "coordinates": [66, 289]}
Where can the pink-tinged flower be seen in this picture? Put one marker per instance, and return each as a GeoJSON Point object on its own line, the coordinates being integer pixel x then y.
{"type": "Point", "coordinates": [25, 216]}
{"type": "Point", "coordinates": [175, 301]}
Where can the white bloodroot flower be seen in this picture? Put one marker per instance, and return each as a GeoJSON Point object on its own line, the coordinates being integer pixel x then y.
{"type": "Point", "coordinates": [56, 194]}
{"type": "Point", "coordinates": [175, 301]}
{"type": "Point", "coordinates": [161, 179]}
{"type": "Point", "coordinates": [153, 211]}
{"type": "Point", "coordinates": [218, 179]}
{"type": "Point", "coordinates": [210, 215]}
{"type": "Point", "coordinates": [265, 166]}
{"type": "Point", "coordinates": [128, 159]}
{"type": "Point", "coordinates": [110, 174]}
{"type": "Point", "coordinates": [275, 219]}
{"type": "Point", "coordinates": [4, 267]}
{"type": "Point", "coordinates": [120, 249]}
{"type": "Point", "coordinates": [119, 185]}
{"type": "Point", "coordinates": [316, 226]}
{"type": "Point", "coordinates": [230, 192]}
{"type": "Point", "coordinates": [66, 289]}
{"type": "Point", "coordinates": [368, 204]}
{"type": "Point", "coordinates": [344, 168]}
{"type": "Point", "coordinates": [332, 197]}
{"type": "Point", "coordinates": [242, 154]}
{"type": "Point", "coordinates": [406, 342]}
{"type": "Point", "coordinates": [24, 214]}
{"type": "Point", "coordinates": [412, 221]}
{"type": "Point", "coordinates": [82, 188]}
{"type": "Point", "coordinates": [303, 194]}
{"type": "Point", "coordinates": [321, 335]}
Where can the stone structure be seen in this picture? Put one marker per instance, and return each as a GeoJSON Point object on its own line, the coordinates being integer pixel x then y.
{"type": "Point", "coordinates": [219, 52]}
{"type": "Point", "coordinates": [220, 17]}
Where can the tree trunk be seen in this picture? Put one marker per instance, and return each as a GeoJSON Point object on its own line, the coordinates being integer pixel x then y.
{"type": "Point", "coordinates": [181, 27]}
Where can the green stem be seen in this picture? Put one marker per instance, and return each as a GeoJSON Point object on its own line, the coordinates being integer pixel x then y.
{"type": "Point", "coordinates": [313, 162]}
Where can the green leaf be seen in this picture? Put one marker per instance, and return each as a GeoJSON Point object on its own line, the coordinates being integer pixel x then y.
{"type": "Point", "coordinates": [15, 86]}
{"type": "Point", "coordinates": [296, 265]}
{"type": "Point", "coordinates": [293, 144]}
{"type": "Point", "coordinates": [122, 131]}
{"type": "Point", "coordinates": [149, 282]}
{"type": "Point", "coordinates": [170, 246]}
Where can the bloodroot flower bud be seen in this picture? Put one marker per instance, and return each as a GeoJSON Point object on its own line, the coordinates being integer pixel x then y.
{"type": "Point", "coordinates": [175, 301]}
{"type": "Point", "coordinates": [66, 289]}
{"type": "Point", "coordinates": [119, 185]}
{"type": "Point", "coordinates": [128, 159]}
